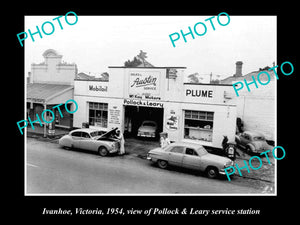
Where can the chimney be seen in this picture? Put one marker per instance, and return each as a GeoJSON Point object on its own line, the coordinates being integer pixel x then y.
{"type": "Point", "coordinates": [238, 72]}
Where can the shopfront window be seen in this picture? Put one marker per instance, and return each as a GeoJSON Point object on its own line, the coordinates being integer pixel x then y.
{"type": "Point", "coordinates": [98, 114]}
{"type": "Point", "coordinates": [198, 125]}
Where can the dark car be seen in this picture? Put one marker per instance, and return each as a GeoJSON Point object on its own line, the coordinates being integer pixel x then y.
{"type": "Point", "coordinates": [252, 142]}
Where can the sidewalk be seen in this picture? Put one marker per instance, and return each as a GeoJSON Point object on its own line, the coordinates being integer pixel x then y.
{"type": "Point", "coordinates": [39, 132]}
{"type": "Point", "coordinates": [265, 173]}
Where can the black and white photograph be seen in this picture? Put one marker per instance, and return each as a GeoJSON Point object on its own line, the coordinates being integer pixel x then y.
{"type": "Point", "coordinates": [155, 114]}
{"type": "Point", "coordinates": [150, 105]}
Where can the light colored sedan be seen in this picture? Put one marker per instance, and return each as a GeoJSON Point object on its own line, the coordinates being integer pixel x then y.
{"type": "Point", "coordinates": [147, 129]}
{"type": "Point", "coordinates": [252, 141]}
{"type": "Point", "coordinates": [189, 155]}
{"type": "Point", "coordinates": [90, 139]}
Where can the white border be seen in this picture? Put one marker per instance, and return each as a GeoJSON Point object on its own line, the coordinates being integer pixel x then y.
{"type": "Point", "coordinates": [151, 194]}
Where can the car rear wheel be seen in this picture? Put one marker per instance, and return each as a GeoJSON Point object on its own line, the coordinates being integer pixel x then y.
{"type": "Point", "coordinates": [212, 172]}
{"type": "Point", "coordinates": [248, 150]}
{"type": "Point", "coordinates": [162, 164]}
{"type": "Point", "coordinates": [66, 147]}
{"type": "Point", "coordinates": [103, 151]}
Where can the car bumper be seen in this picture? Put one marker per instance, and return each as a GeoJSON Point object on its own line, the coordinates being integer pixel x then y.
{"type": "Point", "coordinates": [222, 171]}
{"type": "Point", "coordinates": [146, 135]}
{"type": "Point", "coordinates": [114, 150]}
{"type": "Point", "coordinates": [152, 159]}
{"type": "Point", "coordinates": [149, 157]}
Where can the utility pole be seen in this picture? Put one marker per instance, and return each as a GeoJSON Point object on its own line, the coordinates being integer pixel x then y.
{"type": "Point", "coordinates": [210, 77]}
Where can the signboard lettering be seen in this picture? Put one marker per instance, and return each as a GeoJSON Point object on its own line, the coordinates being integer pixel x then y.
{"type": "Point", "coordinates": [98, 88]}
{"type": "Point", "coordinates": [199, 93]}
{"type": "Point", "coordinates": [114, 115]}
{"type": "Point", "coordinates": [144, 83]}
{"type": "Point", "coordinates": [145, 103]}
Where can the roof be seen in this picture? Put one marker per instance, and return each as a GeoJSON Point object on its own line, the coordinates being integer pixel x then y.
{"type": "Point", "coordinates": [207, 84]}
{"type": "Point", "coordinates": [248, 77]}
{"type": "Point", "coordinates": [41, 93]}
{"type": "Point", "coordinates": [88, 130]}
{"type": "Point", "coordinates": [154, 67]}
{"type": "Point", "coordinates": [85, 77]}
{"type": "Point", "coordinates": [187, 144]}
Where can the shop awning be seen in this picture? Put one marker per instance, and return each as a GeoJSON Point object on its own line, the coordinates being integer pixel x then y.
{"type": "Point", "coordinates": [49, 93]}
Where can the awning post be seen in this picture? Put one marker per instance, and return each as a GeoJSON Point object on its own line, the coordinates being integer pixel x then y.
{"type": "Point", "coordinates": [45, 128]}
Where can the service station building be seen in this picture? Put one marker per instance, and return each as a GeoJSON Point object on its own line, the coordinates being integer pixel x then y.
{"type": "Point", "coordinates": [192, 112]}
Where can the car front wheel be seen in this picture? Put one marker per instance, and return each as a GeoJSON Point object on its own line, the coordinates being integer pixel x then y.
{"type": "Point", "coordinates": [102, 151]}
{"type": "Point", "coordinates": [212, 172]}
{"type": "Point", "coordinates": [162, 164]}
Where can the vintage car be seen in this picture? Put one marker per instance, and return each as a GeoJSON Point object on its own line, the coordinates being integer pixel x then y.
{"type": "Point", "coordinates": [252, 141]}
{"type": "Point", "coordinates": [147, 129]}
{"type": "Point", "coordinates": [93, 140]}
{"type": "Point", "coordinates": [190, 155]}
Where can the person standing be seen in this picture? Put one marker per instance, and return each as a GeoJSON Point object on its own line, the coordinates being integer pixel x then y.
{"type": "Point", "coordinates": [164, 140]}
{"type": "Point", "coordinates": [120, 136]}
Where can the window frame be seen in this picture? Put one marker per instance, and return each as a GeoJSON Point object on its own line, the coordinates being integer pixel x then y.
{"type": "Point", "coordinates": [72, 134]}
{"type": "Point", "coordinates": [195, 153]}
{"type": "Point", "coordinates": [183, 149]}
{"type": "Point", "coordinates": [95, 109]}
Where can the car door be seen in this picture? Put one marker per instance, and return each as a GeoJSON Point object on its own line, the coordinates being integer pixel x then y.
{"type": "Point", "coordinates": [86, 142]}
{"type": "Point", "coordinates": [175, 155]}
{"type": "Point", "coordinates": [245, 139]}
{"type": "Point", "coordinates": [191, 159]}
{"type": "Point", "coordinates": [76, 137]}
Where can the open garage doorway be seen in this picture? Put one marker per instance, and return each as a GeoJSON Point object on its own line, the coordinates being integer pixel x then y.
{"type": "Point", "coordinates": [135, 116]}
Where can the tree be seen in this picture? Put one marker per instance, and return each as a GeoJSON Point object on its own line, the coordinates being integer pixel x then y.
{"type": "Point", "coordinates": [134, 63]}
{"type": "Point", "coordinates": [193, 78]}
{"type": "Point", "coordinates": [139, 60]}
{"type": "Point", "coordinates": [105, 76]}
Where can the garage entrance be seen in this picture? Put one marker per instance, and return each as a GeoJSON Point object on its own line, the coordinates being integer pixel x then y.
{"type": "Point", "coordinates": [136, 115]}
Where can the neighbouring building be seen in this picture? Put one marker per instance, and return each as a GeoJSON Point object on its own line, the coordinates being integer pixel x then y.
{"type": "Point", "coordinates": [50, 83]}
{"type": "Point", "coordinates": [256, 108]}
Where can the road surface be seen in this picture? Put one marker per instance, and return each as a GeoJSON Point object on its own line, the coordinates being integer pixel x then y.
{"type": "Point", "coordinates": [53, 170]}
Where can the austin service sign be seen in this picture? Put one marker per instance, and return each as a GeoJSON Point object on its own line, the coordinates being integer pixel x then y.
{"type": "Point", "coordinates": [144, 84]}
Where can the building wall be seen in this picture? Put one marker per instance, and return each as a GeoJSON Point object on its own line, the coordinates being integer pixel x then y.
{"type": "Point", "coordinates": [257, 109]}
{"type": "Point", "coordinates": [115, 111]}
{"type": "Point", "coordinates": [122, 90]}
{"type": "Point", "coordinates": [53, 70]}
{"type": "Point", "coordinates": [101, 92]}
{"type": "Point", "coordinates": [157, 81]}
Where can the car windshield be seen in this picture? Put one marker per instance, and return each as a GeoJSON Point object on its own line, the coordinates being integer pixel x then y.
{"type": "Point", "coordinates": [97, 133]}
{"type": "Point", "coordinates": [258, 138]}
{"type": "Point", "coordinates": [202, 150]}
{"type": "Point", "coordinates": [150, 124]}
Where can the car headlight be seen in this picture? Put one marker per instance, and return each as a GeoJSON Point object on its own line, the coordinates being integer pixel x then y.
{"type": "Point", "coordinates": [229, 163]}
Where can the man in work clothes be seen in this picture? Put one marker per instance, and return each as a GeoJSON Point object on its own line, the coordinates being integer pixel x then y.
{"type": "Point", "coordinates": [120, 136]}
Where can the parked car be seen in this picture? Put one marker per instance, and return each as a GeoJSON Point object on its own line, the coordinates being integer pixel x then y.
{"type": "Point", "coordinates": [252, 141]}
{"type": "Point", "coordinates": [189, 155]}
{"type": "Point", "coordinates": [93, 140]}
{"type": "Point", "coordinates": [147, 129]}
